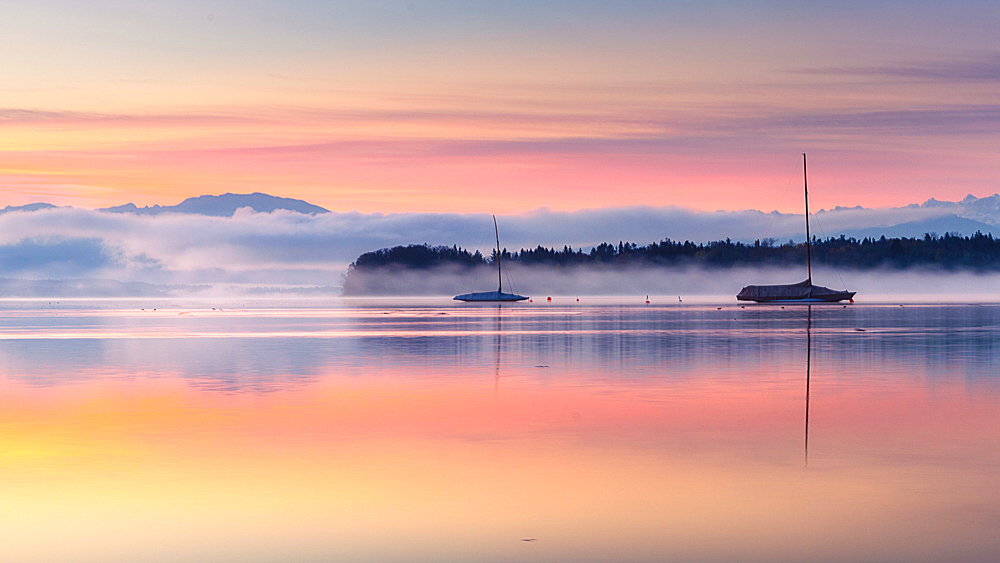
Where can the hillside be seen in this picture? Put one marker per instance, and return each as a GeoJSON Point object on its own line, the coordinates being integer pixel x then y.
{"type": "Point", "coordinates": [223, 205]}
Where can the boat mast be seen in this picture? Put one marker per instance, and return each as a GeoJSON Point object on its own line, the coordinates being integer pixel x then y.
{"type": "Point", "coordinates": [499, 277]}
{"type": "Point", "coordinates": [805, 185]}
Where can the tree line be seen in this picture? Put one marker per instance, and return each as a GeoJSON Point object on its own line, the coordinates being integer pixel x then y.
{"type": "Point", "coordinates": [952, 251]}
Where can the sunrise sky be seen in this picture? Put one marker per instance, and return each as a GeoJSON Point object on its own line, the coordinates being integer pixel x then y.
{"type": "Point", "coordinates": [500, 106]}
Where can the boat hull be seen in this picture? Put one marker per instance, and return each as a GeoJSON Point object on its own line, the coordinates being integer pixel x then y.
{"type": "Point", "coordinates": [832, 299]}
{"type": "Point", "coordinates": [490, 296]}
{"type": "Point", "coordinates": [802, 292]}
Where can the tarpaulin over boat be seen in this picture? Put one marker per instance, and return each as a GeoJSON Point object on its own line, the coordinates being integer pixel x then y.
{"type": "Point", "coordinates": [490, 296]}
{"type": "Point", "coordinates": [802, 291]}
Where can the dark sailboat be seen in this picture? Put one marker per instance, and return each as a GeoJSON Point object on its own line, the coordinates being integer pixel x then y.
{"type": "Point", "coordinates": [804, 291]}
{"type": "Point", "coordinates": [497, 295]}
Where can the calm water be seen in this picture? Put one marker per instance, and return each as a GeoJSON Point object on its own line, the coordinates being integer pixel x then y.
{"type": "Point", "coordinates": [433, 431]}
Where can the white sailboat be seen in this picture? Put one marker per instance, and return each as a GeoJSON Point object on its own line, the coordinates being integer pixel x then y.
{"type": "Point", "coordinates": [804, 291]}
{"type": "Point", "coordinates": [497, 295]}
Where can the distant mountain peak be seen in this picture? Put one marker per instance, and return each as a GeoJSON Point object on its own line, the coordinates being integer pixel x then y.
{"type": "Point", "coordinates": [29, 207]}
{"type": "Point", "coordinates": [224, 205]}
{"type": "Point", "coordinates": [937, 203]}
{"type": "Point", "coordinates": [842, 208]}
{"type": "Point", "coordinates": [971, 199]}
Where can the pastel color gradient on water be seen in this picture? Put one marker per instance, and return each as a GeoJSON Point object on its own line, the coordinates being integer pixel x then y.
{"type": "Point", "coordinates": [455, 433]}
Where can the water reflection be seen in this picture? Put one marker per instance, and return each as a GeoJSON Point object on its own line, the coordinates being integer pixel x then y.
{"type": "Point", "coordinates": [620, 433]}
{"type": "Point", "coordinates": [496, 377]}
{"type": "Point", "coordinates": [808, 360]}
{"type": "Point", "coordinates": [626, 342]}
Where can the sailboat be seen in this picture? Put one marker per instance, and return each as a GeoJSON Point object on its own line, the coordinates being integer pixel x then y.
{"type": "Point", "coordinates": [497, 295]}
{"type": "Point", "coordinates": [804, 291]}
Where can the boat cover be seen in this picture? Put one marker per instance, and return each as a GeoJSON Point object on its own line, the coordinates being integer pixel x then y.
{"type": "Point", "coordinates": [490, 296]}
{"type": "Point", "coordinates": [802, 291]}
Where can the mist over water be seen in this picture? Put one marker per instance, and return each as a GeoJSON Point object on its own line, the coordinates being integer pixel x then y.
{"type": "Point", "coordinates": [537, 281]}
{"type": "Point", "coordinates": [543, 281]}
{"type": "Point", "coordinates": [67, 252]}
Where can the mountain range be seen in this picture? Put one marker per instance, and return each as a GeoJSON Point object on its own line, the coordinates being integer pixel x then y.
{"type": "Point", "coordinates": [224, 205]}
{"type": "Point", "coordinates": [965, 217]}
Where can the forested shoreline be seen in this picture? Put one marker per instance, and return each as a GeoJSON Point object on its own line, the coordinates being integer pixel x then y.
{"type": "Point", "coordinates": [976, 252]}
{"type": "Point", "coordinates": [951, 252]}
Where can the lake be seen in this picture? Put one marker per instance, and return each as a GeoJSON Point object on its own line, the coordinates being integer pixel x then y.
{"type": "Point", "coordinates": [428, 430]}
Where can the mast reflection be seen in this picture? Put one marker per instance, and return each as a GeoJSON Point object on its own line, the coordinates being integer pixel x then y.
{"type": "Point", "coordinates": [808, 358]}
{"type": "Point", "coordinates": [496, 376]}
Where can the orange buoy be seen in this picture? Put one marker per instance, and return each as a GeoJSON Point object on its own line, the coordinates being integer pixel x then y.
{"type": "Point", "coordinates": [548, 299]}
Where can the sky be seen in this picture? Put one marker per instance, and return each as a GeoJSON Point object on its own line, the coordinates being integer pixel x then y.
{"type": "Point", "coordinates": [504, 107]}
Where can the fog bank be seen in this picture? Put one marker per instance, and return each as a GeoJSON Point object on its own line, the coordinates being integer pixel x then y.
{"type": "Point", "coordinates": [52, 252]}
{"type": "Point", "coordinates": [544, 281]}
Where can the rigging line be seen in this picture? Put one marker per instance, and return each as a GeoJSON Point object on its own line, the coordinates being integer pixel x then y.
{"type": "Point", "coordinates": [774, 216]}
{"type": "Point", "coordinates": [510, 280]}
{"type": "Point", "coordinates": [480, 272]}
{"type": "Point", "coordinates": [823, 232]}
{"type": "Point", "coordinates": [502, 266]}
{"type": "Point", "coordinates": [496, 231]}
{"type": "Point", "coordinates": [506, 271]}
